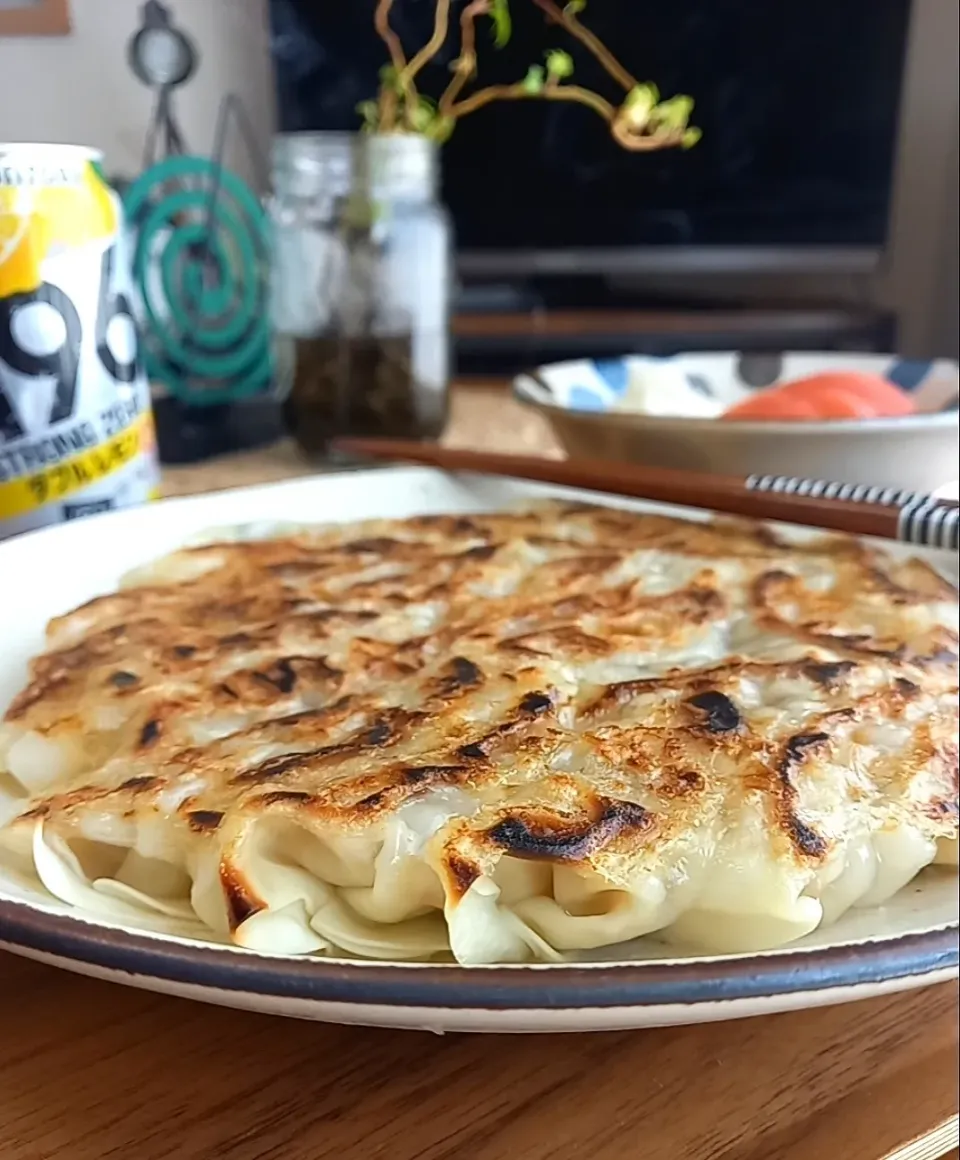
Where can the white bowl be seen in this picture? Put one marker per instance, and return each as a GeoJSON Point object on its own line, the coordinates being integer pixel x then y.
{"type": "Point", "coordinates": [580, 399]}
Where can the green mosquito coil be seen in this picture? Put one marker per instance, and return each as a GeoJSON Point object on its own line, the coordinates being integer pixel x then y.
{"type": "Point", "coordinates": [200, 263]}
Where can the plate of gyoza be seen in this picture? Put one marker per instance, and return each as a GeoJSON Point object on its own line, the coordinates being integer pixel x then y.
{"type": "Point", "coordinates": [407, 749]}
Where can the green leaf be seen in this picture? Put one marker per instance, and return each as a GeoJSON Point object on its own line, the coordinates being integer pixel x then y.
{"type": "Point", "coordinates": [533, 82]}
{"type": "Point", "coordinates": [559, 64]}
{"type": "Point", "coordinates": [639, 105]}
{"type": "Point", "coordinates": [389, 77]}
{"type": "Point", "coordinates": [369, 111]}
{"type": "Point", "coordinates": [502, 24]}
{"type": "Point", "coordinates": [423, 114]}
{"type": "Point", "coordinates": [675, 113]}
{"type": "Point", "coordinates": [690, 138]}
{"type": "Point", "coordinates": [441, 129]}
{"type": "Point", "coordinates": [574, 7]}
{"type": "Point", "coordinates": [645, 96]}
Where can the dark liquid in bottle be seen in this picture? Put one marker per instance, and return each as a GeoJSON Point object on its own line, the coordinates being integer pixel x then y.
{"type": "Point", "coordinates": [352, 386]}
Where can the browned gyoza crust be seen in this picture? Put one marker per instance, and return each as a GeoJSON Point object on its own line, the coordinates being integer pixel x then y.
{"type": "Point", "coordinates": [346, 671]}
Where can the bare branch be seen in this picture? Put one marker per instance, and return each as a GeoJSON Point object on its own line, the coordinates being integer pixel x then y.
{"type": "Point", "coordinates": [643, 142]}
{"type": "Point", "coordinates": [519, 92]}
{"type": "Point", "coordinates": [381, 21]}
{"type": "Point", "coordinates": [441, 25]}
{"type": "Point", "coordinates": [622, 132]}
{"type": "Point", "coordinates": [604, 56]}
{"type": "Point", "coordinates": [466, 65]}
{"type": "Point", "coordinates": [641, 124]}
{"type": "Point", "coordinates": [387, 96]}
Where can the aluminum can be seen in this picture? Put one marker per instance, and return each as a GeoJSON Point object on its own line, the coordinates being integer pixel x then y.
{"type": "Point", "coordinates": [76, 426]}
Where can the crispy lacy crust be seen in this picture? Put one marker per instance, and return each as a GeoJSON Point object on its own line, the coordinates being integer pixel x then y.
{"type": "Point", "coordinates": [600, 683]}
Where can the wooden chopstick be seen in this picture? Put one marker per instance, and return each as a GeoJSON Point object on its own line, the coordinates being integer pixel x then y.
{"type": "Point", "coordinates": [858, 509]}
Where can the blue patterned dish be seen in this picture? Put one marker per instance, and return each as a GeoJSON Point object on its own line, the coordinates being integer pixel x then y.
{"type": "Point", "coordinates": [584, 401]}
{"type": "Point", "coordinates": [728, 377]}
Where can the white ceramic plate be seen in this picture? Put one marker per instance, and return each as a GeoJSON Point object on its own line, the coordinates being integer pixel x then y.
{"type": "Point", "coordinates": [911, 942]}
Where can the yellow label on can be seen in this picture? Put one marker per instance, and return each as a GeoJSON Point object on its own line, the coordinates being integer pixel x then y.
{"type": "Point", "coordinates": [76, 432]}
{"type": "Point", "coordinates": [64, 479]}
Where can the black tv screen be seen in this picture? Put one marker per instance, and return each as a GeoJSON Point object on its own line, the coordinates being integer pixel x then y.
{"type": "Point", "coordinates": [797, 99]}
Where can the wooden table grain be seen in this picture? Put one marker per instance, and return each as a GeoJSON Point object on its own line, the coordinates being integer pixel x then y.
{"type": "Point", "coordinates": [95, 1071]}
{"type": "Point", "coordinates": [483, 415]}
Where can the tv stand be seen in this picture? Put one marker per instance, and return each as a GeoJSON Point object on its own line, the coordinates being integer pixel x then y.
{"type": "Point", "coordinates": [500, 329]}
{"type": "Point", "coordinates": [574, 293]}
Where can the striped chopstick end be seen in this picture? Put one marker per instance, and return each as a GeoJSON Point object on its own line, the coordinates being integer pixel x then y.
{"type": "Point", "coordinates": [824, 489]}
{"type": "Point", "coordinates": [921, 520]}
{"type": "Point", "coordinates": [928, 524]}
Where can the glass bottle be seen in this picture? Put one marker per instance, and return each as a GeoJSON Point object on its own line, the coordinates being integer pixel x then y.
{"type": "Point", "coordinates": [361, 287]}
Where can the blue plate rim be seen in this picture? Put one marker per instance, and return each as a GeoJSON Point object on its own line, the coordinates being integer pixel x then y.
{"type": "Point", "coordinates": [495, 988]}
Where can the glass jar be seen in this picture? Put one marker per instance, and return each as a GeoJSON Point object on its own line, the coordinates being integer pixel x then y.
{"type": "Point", "coordinates": [361, 281]}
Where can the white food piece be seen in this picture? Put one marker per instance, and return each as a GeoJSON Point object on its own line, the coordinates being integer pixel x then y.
{"type": "Point", "coordinates": [664, 389]}
{"type": "Point", "coordinates": [37, 762]}
{"type": "Point", "coordinates": [483, 931]}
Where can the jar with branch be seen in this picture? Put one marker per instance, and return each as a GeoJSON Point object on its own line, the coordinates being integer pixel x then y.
{"type": "Point", "coordinates": [379, 365]}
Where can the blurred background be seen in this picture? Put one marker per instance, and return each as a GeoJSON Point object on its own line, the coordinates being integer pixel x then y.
{"type": "Point", "coordinates": [852, 106]}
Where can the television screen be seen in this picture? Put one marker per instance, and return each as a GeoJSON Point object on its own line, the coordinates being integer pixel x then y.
{"type": "Point", "coordinates": [797, 99]}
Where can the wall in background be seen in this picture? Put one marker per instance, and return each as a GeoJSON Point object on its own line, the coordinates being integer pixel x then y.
{"type": "Point", "coordinates": [79, 89]}
{"type": "Point", "coordinates": [947, 312]}
{"type": "Point", "coordinates": [923, 257]}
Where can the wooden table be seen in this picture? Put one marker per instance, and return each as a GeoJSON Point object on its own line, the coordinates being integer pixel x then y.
{"type": "Point", "coordinates": [93, 1071]}
{"type": "Point", "coordinates": [482, 415]}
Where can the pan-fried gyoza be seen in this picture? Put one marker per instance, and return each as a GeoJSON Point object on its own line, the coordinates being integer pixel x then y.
{"type": "Point", "coordinates": [506, 737]}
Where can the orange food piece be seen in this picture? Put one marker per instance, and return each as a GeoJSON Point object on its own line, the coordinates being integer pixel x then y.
{"type": "Point", "coordinates": [830, 395]}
